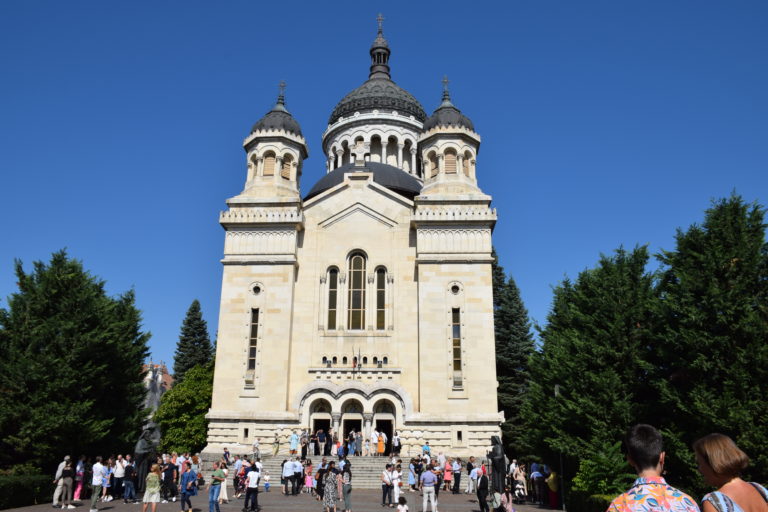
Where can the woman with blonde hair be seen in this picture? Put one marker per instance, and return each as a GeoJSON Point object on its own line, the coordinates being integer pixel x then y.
{"type": "Point", "coordinates": [721, 463]}
{"type": "Point", "coordinates": [152, 488]}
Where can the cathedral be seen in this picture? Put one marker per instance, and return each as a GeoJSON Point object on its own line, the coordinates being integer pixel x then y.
{"type": "Point", "coordinates": [368, 302]}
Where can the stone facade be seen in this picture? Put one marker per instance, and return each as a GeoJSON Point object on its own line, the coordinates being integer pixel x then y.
{"type": "Point", "coordinates": [369, 301]}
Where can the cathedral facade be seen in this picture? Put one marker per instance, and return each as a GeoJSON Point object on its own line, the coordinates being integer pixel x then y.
{"type": "Point", "coordinates": [367, 303]}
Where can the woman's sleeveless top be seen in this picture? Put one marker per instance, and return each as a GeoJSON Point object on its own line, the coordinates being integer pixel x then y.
{"type": "Point", "coordinates": [723, 503]}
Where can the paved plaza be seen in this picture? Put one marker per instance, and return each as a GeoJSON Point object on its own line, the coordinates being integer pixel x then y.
{"type": "Point", "coordinates": [363, 500]}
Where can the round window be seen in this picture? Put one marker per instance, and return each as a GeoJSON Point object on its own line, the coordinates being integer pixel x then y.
{"type": "Point", "coordinates": [455, 289]}
{"type": "Point", "coordinates": [256, 289]}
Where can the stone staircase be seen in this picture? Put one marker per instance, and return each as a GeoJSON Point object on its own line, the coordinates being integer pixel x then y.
{"type": "Point", "coordinates": [366, 471]}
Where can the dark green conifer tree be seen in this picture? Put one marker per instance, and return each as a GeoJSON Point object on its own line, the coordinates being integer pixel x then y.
{"type": "Point", "coordinates": [514, 345]}
{"type": "Point", "coordinates": [71, 378]}
{"type": "Point", "coordinates": [589, 381]}
{"type": "Point", "coordinates": [712, 353]}
{"type": "Point", "coordinates": [194, 345]}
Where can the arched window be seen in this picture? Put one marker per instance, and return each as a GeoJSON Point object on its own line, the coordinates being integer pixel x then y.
{"type": "Point", "coordinates": [375, 360]}
{"type": "Point", "coordinates": [465, 163]}
{"type": "Point", "coordinates": [285, 171]}
{"type": "Point", "coordinates": [365, 359]}
{"type": "Point", "coordinates": [385, 360]}
{"type": "Point", "coordinates": [269, 164]}
{"type": "Point", "coordinates": [325, 360]}
{"type": "Point", "coordinates": [433, 169]}
{"type": "Point", "coordinates": [344, 360]}
{"type": "Point", "coordinates": [381, 296]}
{"type": "Point", "coordinates": [356, 309]}
{"type": "Point", "coordinates": [333, 297]}
{"type": "Point", "coordinates": [450, 161]}
{"type": "Point", "coordinates": [335, 360]}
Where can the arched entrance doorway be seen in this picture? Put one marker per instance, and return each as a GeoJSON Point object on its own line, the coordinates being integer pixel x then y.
{"type": "Point", "coordinates": [351, 419]}
{"type": "Point", "coordinates": [320, 415]}
{"type": "Point", "coordinates": [384, 420]}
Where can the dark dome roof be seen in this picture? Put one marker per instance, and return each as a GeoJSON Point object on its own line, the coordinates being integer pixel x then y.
{"type": "Point", "coordinates": [278, 119]}
{"type": "Point", "coordinates": [383, 174]}
{"type": "Point", "coordinates": [447, 115]}
{"type": "Point", "coordinates": [378, 93]}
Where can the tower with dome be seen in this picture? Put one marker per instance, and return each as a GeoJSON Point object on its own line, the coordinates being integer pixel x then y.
{"type": "Point", "coordinates": [368, 302]}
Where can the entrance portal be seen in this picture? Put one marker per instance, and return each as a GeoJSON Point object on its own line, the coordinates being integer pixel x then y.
{"type": "Point", "coordinates": [386, 427]}
{"type": "Point", "coordinates": [319, 423]}
{"type": "Point", "coordinates": [352, 425]}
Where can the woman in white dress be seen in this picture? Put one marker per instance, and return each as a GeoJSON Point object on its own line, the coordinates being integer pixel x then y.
{"type": "Point", "coordinates": [397, 481]}
{"type": "Point", "coordinates": [223, 498]}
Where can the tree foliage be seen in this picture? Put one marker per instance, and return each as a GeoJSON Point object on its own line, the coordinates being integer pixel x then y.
{"type": "Point", "coordinates": [604, 471]}
{"type": "Point", "coordinates": [181, 415]}
{"type": "Point", "coordinates": [589, 381]}
{"type": "Point", "coordinates": [514, 345]}
{"type": "Point", "coordinates": [70, 366]}
{"type": "Point", "coordinates": [194, 345]}
{"type": "Point", "coordinates": [683, 348]}
{"type": "Point", "coordinates": [713, 337]}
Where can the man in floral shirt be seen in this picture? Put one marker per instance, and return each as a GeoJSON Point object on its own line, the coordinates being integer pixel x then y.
{"type": "Point", "coordinates": [649, 493]}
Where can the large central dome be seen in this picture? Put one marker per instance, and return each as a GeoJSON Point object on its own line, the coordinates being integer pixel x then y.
{"type": "Point", "coordinates": [379, 92]}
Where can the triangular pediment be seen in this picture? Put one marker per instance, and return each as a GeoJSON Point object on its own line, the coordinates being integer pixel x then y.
{"type": "Point", "coordinates": [355, 210]}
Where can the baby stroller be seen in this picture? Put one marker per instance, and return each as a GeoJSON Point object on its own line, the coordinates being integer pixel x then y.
{"type": "Point", "coordinates": [519, 491]}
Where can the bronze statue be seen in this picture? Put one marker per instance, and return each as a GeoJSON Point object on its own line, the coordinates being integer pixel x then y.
{"type": "Point", "coordinates": [498, 466]}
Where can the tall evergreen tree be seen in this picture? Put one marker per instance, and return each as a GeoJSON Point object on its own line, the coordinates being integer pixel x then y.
{"type": "Point", "coordinates": [712, 353]}
{"type": "Point", "coordinates": [70, 366]}
{"type": "Point", "coordinates": [194, 345]}
{"type": "Point", "coordinates": [589, 381]}
{"type": "Point", "coordinates": [181, 415]}
{"type": "Point", "coordinates": [514, 345]}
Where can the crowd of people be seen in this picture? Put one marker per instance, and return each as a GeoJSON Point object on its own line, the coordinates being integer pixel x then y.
{"type": "Point", "coordinates": [175, 477]}
{"type": "Point", "coordinates": [322, 443]}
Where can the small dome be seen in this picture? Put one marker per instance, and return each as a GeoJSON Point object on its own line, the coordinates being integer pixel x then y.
{"type": "Point", "coordinates": [278, 119]}
{"type": "Point", "coordinates": [383, 174]}
{"type": "Point", "coordinates": [447, 114]}
{"type": "Point", "coordinates": [381, 94]}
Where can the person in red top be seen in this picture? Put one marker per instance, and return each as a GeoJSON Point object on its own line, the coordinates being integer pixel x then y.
{"type": "Point", "coordinates": [645, 452]}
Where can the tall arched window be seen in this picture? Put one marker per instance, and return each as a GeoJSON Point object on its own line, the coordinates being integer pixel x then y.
{"type": "Point", "coordinates": [381, 296]}
{"type": "Point", "coordinates": [285, 171]}
{"type": "Point", "coordinates": [450, 161]}
{"type": "Point", "coordinates": [333, 297]}
{"type": "Point", "coordinates": [356, 302]}
{"type": "Point", "coordinates": [269, 164]}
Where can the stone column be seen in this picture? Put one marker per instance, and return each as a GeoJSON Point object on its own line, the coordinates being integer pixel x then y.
{"type": "Point", "coordinates": [367, 421]}
{"type": "Point", "coordinates": [460, 165]}
{"type": "Point", "coordinates": [440, 164]}
{"type": "Point", "coordinates": [340, 154]}
{"type": "Point", "coordinates": [336, 419]}
{"type": "Point", "coordinates": [400, 155]}
{"type": "Point", "coordinates": [413, 161]}
{"type": "Point", "coordinates": [385, 151]}
{"type": "Point", "coordinates": [278, 168]}
{"type": "Point", "coordinates": [259, 166]}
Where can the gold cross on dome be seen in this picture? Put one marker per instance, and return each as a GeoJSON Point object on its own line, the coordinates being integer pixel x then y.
{"type": "Point", "coordinates": [380, 20]}
{"type": "Point", "coordinates": [445, 82]}
{"type": "Point", "coordinates": [282, 85]}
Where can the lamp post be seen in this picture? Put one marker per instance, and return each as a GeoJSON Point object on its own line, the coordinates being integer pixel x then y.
{"type": "Point", "coordinates": [562, 478]}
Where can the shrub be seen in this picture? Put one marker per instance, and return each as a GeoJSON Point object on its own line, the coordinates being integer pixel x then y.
{"type": "Point", "coordinates": [604, 472]}
{"type": "Point", "coordinates": [23, 490]}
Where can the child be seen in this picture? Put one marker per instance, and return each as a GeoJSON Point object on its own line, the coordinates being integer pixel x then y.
{"type": "Point", "coordinates": [401, 505]}
{"type": "Point", "coordinates": [266, 481]}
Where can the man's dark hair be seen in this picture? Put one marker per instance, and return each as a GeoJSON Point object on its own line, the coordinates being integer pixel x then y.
{"type": "Point", "coordinates": [98, 458]}
{"type": "Point", "coordinates": [644, 446]}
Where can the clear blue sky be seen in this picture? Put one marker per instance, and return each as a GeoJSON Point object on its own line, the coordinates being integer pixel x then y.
{"type": "Point", "coordinates": [603, 123]}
